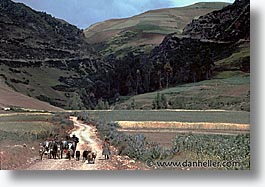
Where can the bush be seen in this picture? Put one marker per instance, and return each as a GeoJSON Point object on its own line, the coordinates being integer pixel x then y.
{"type": "Point", "coordinates": [217, 147]}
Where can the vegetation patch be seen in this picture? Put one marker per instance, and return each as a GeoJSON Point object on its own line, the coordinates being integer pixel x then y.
{"type": "Point", "coordinates": [190, 116]}
{"type": "Point", "coordinates": [220, 148]}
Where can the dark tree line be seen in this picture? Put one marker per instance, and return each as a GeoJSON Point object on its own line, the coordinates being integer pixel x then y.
{"type": "Point", "coordinates": [176, 61]}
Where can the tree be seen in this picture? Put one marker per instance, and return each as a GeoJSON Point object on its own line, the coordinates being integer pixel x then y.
{"type": "Point", "coordinates": [75, 102]}
{"type": "Point", "coordinates": [106, 105]}
{"type": "Point", "coordinates": [159, 79]}
{"type": "Point", "coordinates": [168, 69]}
{"type": "Point", "coordinates": [108, 81]}
{"type": "Point", "coordinates": [138, 78]}
{"type": "Point", "coordinates": [157, 104]}
{"type": "Point", "coordinates": [164, 101]}
{"type": "Point", "coordinates": [133, 104]}
{"type": "Point", "coordinates": [129, 83]}
{"type": "Point", "coordinates": [100, 105]}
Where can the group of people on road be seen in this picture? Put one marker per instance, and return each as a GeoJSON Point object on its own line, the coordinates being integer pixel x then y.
{"type": "Point", "coordinates": [70, 143]}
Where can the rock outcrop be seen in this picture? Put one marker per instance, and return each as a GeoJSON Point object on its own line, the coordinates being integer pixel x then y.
{"type": "Point", "coordinates": [229, 24]}
{"type": "Point", "coordinates": [204, 41]}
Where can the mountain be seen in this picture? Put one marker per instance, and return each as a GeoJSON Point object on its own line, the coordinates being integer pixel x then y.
{"type": "Point", "coordinates": [143, 32]}
{"type": "Point", "coordinates": [27, 34]}
{"type": "Point", "coordinates": [229, 24]}
{"type": "Point", "coordinates": [213, 49]}
{"type": "Point", "coordinates": [50, 60]}
{"type": "Point", "coordinates": [47, 58]}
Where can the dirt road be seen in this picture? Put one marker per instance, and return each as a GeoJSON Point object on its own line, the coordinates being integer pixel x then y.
{"type": "Point", "coordinates": [87, 137]}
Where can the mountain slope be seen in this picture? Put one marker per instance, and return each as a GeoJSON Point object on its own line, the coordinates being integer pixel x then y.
{"type": "Point", "coordinates": [10, 98]}
{"type": "Point", "coordinates": [222, 64]}
{"type": "Point", "coordinates": [50, 60]}
{"type": "Point", "coordinates": [28, 34]}
{"type": "Point", "coordinates": [47, 58]}
{"type": "Point", "coordinates": [229, 24]}
{"type": "Point", "coordinates": [146, 30]}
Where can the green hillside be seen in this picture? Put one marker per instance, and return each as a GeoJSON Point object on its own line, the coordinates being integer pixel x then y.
{"type": "Point", "coordinates": [230, 94]}
{"type": "Point", "coordinates": [46, 58]}
{"type": "Point", "coordinates": [144, 31]}
{"type": "Point", "coordinates": [229, 89]}
{"type": "Point", "coordinates": [37, 82]}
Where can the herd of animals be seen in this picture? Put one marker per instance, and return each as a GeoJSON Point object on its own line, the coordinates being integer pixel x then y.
{"type": "Point", "coordinates": [66, 148]}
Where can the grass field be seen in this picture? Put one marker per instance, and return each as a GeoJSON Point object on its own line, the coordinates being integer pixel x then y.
{"type": "Point", "coordinates": [26, 127]}
{"type": "Point", "coordinates": [162, 126]}
{"type": "Point", "coordinates": [32, 83]}
{"type": "Point", "coordinates": [184, 125]}
{"type": "Point", "coordinates": [239, 117]}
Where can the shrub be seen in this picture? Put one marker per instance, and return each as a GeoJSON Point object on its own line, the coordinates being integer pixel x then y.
{"type": "Point", "coordinates": [217, 147]}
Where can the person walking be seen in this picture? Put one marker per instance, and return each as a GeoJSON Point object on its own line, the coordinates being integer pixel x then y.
{"type": "Point", "coordinates": [106, 149]}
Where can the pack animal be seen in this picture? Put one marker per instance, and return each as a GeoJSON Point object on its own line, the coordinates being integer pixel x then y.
{"type": "Point", "coordinates": [92, 157]}
{"type": "Point", "coordinates": [53, 146]}
{"type": "Point", "coordinates": [45, 149]}
{"type": "Point", "coordinates": [77, 155]}
{"type": "Point", "coordinates": [71, 150]}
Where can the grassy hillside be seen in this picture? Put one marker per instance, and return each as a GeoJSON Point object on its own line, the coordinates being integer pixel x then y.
{"type": "Point", "coordinates": [11, 98]}
{"type": "Point", "coordinates": [46, 58]}
{"type": "Point", "coordinates": [33, 83]}
{"type": "Point", "coordinates": [230, 94]}
{"type": "Point", "coordinates": [145, 30]}
{"type": "Point", "coordinates": [229, 89]}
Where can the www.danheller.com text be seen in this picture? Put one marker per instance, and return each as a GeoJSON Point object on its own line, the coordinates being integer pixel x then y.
{"type": "Point", "coordinates": [192, 164]}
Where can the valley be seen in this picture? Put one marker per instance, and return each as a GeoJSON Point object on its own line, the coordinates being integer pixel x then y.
{"type": "Point", "coordinates": [166, 84]}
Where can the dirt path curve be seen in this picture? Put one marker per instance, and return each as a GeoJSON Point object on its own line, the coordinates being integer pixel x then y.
{"type": "Point", "coordinates": [87, 137]}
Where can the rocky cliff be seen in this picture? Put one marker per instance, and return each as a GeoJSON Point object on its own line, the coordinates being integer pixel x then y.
{"type": "Point", "coordinates": [205, 41]}
{"type": "Point", "coordinates": [229, 24]}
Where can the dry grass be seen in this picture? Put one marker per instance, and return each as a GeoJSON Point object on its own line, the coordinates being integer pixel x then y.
{"type": "Point", "coordinates": [183, 125]}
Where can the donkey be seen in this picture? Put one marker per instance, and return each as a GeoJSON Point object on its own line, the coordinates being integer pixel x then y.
{"type": "Point", "coordinates": [71, 150]}
{"type": "Point", "coordinates": [63, 147]}
{"type": "Point", "coordinates": [53, 150]}
{"type": "Point", "coordinates": [44, 149]}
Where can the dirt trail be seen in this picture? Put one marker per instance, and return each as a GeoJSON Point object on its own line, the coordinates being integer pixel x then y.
{"type": "Point", "coordinates": [87, 137]}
